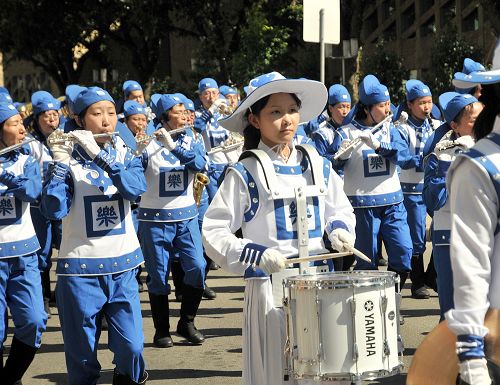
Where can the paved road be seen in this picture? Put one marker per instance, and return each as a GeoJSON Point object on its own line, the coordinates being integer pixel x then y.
{"type": "Point", "coordinates": [218, 360]}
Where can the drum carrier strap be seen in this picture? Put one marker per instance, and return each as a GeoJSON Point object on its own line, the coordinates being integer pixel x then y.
{"type": "Point", "coordinates": [299, 193]}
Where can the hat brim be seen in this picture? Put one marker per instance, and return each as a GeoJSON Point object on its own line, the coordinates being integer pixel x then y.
{"type": "Point", "coordinates": [445, 98]}
{"type": "Point", "coordinates": [462, 80]}
{"type": "Point", "coordinates": [312, 94]}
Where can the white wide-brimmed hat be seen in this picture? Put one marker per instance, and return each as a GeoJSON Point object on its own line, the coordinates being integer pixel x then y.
{"type": "Point", "coordinates": [312, 94]}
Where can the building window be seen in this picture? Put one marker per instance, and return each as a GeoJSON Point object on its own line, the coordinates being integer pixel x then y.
{"type": "Point", "coordinates": [448, 12]}
{"type": "Point", "coordinates": [388, 7]}
{"type": "Point", "coordinates": [390, 32]}
{"type": "Point", "coordinates": [428, 28]}
{"type": "Point", "coordinates": [425, 5]}
{"type": "Point", "coordinates": [471, 21]}
{"type": "Point", "coordinates": [408, 17]}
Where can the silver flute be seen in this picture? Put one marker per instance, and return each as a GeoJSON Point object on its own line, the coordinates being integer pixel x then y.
{"type": "Point", "coordinates": [151, 137]}
{"type": "Point", "coordinates": [355, 142]}
{"type": "Point", "coordinates": [67, 138]}
{"type": "Point", "coordinates": [16, 146]}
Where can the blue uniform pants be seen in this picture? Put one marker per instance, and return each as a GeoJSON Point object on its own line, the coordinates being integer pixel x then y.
{"type": "Point", "coordinates": [160, 241]}
{"type": "Point", "coordinates": [21, 291]}
{"type": "Point", "coordinates": [390, 221]}
{"type": "Point", "coordinates": [442, 263]}
{"type": "Point", "coordinates": [49, 235]}
{"type": "Point", "coordinates": [417, 213]}
{"type": "Point", "coordinates": [81, 301]}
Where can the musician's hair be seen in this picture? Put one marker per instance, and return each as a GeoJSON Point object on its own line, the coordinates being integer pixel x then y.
{"type": "Point", "coordinates": [490, 96]}
{"type": "Point", "coordinates": [251, 134]}
{"type": "Point", "coordinates": [360, 112]}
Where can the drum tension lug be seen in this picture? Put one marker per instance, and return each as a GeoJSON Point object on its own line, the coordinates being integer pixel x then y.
{"type": "Point", "coordinates": [387, 349]}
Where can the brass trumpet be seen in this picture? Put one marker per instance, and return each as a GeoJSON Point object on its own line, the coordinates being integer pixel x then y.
{"type": "Point", "coordinates": [199, 182]}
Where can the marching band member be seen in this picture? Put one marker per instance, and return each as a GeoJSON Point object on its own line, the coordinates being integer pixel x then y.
{"type": "Point", "coordinates": [90, 187]}
{"type": "Point", "coordinates": [231, 95]}
{"type": "Point", "coordinates": [460, 112]}
{"type": "Point", "coordinates": [339, 105]}
{"type": "Point", "coordinates": [415, 132]}
{"type": "Point", "coordinates": [71, 92]}
{"type": "Point", "coordinates": [21, 290]}
{"type": "Point", "coordinates": [474, 191]}
{"type": "Point", "coordinates": [168, 221]}
{"type": "Point", "coordinates": [45, 121]}
{"type": "Point", "coordinates": [207, 123]}
{"type": "Point", "coordinates": [470, 67]}
{"type": "Point", "coordinates": [371, 179]}
{"type": "Point", "coordinates": [268, 118]}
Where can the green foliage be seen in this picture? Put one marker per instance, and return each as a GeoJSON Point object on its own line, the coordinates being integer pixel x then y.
{"type": "Point", "coordinates": [448, 54]}
{"type": "Point", "coordinates": [389, 68]}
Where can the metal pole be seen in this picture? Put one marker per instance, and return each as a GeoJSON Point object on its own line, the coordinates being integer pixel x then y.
{"type": "Point", "coordinates": [321, 45]}
{"type": "Point", "coordinates": [343, 70]}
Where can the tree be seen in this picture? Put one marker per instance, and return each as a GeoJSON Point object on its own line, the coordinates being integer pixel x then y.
{"type": "Point", "coordinates": [448, 54]}
{"type": "Point", "coordinates": [389, 68]}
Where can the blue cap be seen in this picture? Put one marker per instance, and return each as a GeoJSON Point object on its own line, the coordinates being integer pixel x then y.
{"type": "Point", "coordinates": [226, 90]}
{"type": "Point", "coordinates": [338, 94]}
{"type": "Point", "coordinates": [188, 104]}
{"type": "Point", "coordinates": [436, 112]}
{"type": "Point", "coordinates": [416, 89]}
{"type": "Point", "coordinates": [129, 86]}
{"type": "Point", "coordinates": [71, 93]}
{"type": "Point", "coordinates": [472, 66]}
{"type": "Point", "coordinates": [453, 102]}
{"type": "Point", "coordinates": [90, 96]}
{"type": "Point", "coordinates": [44, 101]}
{"type": "Point", "coordinates": [372, 92]}
{"type": "Point", "coordinates": [245, 89]}
{"type": "Point", "coordinates": [7, 111]}
{"type": "Point", "coordinates": [4, 90]}
{"type": "Point", "coordinates": [167, 101]}
{"type": "Point", "coordinates": [131, 107]}
{"type": "Point", "coordinates": [5, 97]}
{"type": "Point", "coordinates": [207, 83]}
{"type": "Point", "coordinates": [155, 99]}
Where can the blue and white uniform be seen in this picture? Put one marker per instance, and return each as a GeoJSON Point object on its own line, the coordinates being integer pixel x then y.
{"type": "Point", "coordinates": [20, 284]}
{"type": "Point", "coordinates": [372, 185]}
{"type": "Point", "coordinates": [98, 258]}
{"type": "Point", "coordinates": [168, 216]}
{"type": "Point", "coordinates": [48, 231]}
{"type": "Point", "coordinates": [474, 194]}
{"type": "Point", "coordinates": [269, 221]}
{"type": "Point", "coordinates": [435, 197]}
{"type": "Point", "coordinates": [323, 139]}
{"type": "Point", "coordinates": [415, 133]}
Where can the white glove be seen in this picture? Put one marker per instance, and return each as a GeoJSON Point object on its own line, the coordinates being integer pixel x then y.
{"type": "Point", "coordinates": [217, 105]}
{"type": "Point", "coordinates": [86, 140]}
{"type": "Point", "coordinates": [466, 141]}
{"type": "Point", "coordinates": [61, 152]}
{"type": "Point", "coordinates": [272, 261]}
{"type": "Point", "coordinates": [165, 138]}
{"type": "Point", "coordinates": [474, 372]}
{"type": "Point", "coordinates": [347, 154]}
{"type": "Point", "coordinates": [340, 238]}
{"type": "Point", "coordinates": [369, 139]}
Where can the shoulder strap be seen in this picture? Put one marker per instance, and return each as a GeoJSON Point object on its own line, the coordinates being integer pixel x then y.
{"type": "Point", "coordinates": [267, 167]}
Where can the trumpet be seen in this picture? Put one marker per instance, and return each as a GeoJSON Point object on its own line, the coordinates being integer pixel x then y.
{"type": "Point", "coordinates": [199, 182]}
{"type": "Point", "coordinates": [234, 142]}
{"type": "Point", "coordinates": [66, 137]}
{"type": "Point", "coordinates": [357, 141]}
{"type": "Point", "coordinates": [151, 137]}
{"type": "Point", "coordinates": [16, 146]}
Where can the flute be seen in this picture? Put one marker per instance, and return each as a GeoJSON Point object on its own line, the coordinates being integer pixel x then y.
{"type": "Point", "coordinates": [229, 147]}
{"type": "Point", "coordinates": [148, 138]}
{"type": "Point", "coordinates": [355, 142]}
{"type": "Point", "coordinates": [67, 137]}
{"type": "Point", "coordinates": [16, 146]}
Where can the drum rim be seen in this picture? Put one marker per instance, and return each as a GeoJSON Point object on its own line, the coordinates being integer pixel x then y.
{"type": "Point", "coordinates": [344, 279]}
{"type": "Point", "coordinates": [369, 375]}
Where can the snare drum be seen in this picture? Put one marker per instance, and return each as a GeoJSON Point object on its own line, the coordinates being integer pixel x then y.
{"type": "Point", "coordinates": [342, 326]}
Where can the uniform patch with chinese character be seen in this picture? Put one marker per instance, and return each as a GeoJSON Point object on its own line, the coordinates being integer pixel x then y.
{"type": "Point", "coordinates": [10, 211]}
{"type": "Point", "coordinates": [286, 218]}
{"type": "Point", "coordinates": [374, 164]}
{"type": "Point", "coordinates": [104, 215]}
{"type": "Point", "coordinates": [173, 181]}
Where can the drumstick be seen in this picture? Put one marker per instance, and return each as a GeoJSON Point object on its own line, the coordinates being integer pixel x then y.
{"type": "Point", "coordinates": [319, 257]}
{"type": "Point", "coordinates": [357, 253]}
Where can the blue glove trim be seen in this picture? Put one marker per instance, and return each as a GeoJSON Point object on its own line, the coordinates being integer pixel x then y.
{"type": "Point", "coordinates": [476, 350]}
{"type": "Point", "coordinates": [337, 225]}
{"type": "Point", "coordinates": [252, 253]}
{"type": "Point", "coordinates": [59, 170]}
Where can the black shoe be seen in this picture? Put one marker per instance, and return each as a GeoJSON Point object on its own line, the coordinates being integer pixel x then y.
{"type": "Point", "coordinates": [46, 307]}
{"type": "Point", "coordinates": [382, 262]}
{"type": "Point", "coordinates": [52, 300]}
{"type": "Point", "coordinates": [214, 266]}
{"type": "Point", "coordinates": [187, 330]}
{"type": "Point", "coordinates": [104, 323]}
{"type": "Point", "coordinates": [178, 295]}
{"type": "Point", "coordinates": [141, 287]}
{"type": "Point", "coordinates": [420, 293]}
{"type": "Point", "coordinates": [162, 340]}
{"type": "Point", "coordinates": [209, 293]}
{"type": "Point", "coordinates": [121, 379]}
